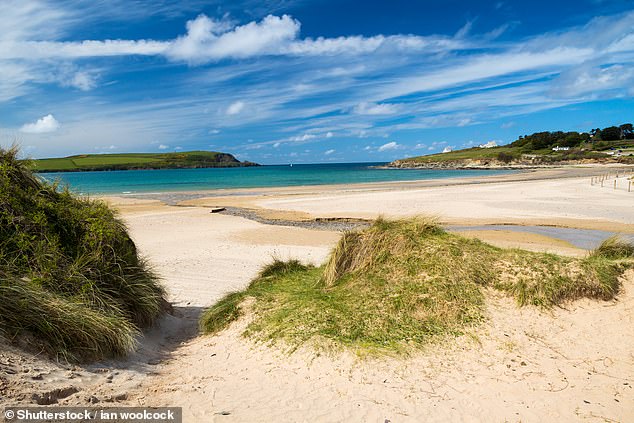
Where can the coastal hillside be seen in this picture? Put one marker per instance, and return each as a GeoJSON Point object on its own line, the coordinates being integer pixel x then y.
{"type": "Point", "coordinates": [541, 149]}
{"type": "Point", "coordinates": [71, 280]}
{"type": "Point", "coordinates": [130, 161]}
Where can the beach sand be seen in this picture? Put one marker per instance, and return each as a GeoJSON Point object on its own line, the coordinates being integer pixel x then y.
{"type": "Point", "coordinates": [574, 363]}
{"type": "Point", "coordinates": [513, 199]}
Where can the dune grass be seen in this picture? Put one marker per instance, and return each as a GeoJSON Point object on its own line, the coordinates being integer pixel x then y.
{"type": "Point", "coordinates": [405, 283]}
{"type": "Point", "coordinates": [70, 275]}
{"type": "Point", "coordinates": [614, 248]}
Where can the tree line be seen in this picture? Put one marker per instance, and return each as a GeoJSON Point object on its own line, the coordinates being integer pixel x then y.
{"type": "Point", "coordinates": [541, 140]}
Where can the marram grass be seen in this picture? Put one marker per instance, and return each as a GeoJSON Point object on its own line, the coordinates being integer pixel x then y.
{"type": "Point", "coordinates": [70, 275]}
{"type": "Point", "coordinates": [67, 326]}
{"type": "Point", "coordinates": [402, 284]}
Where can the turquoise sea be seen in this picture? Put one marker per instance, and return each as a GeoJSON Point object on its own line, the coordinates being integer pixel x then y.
{"type": "Point", "coordinates": [168, 180]}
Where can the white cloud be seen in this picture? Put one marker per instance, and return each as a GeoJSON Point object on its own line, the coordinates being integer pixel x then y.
{"type": "Point", "coordinates": [465, 30]}
{"type": "Point", "coordinates": [82, 80]}
{"type": "Point", "coordinates": [302, 138]}
{"type": "Point", "coordinates": [163, 147]}
{"type": "Point", "coordinates": [329, 135]}
{"type": "Point", "coordinates": [37, 50]}
{"type": "Point", "coordinates": [253, 146]}
{"type": "Point", "coordinates": [208, 39]}
{"type": "Point", "coordinates": [214, 131]}
{"type": "Point", "coordinates": [277, 144]}
{"type": "Point", "coordinates": [329, 152]}
{"type": "Point", "coordinates": [15, 80]}
{"type": "Point", "coordinates": [389, 146]}
{"type": "Point", "coordinates": [43, 125]}
{"type": "Point", "coordinates": [321, 45]}
{"type": "Point", "coordinates": [365, 108]}
{"type": "Point", "coordinates": [21, 18]}
{"type": "Point", "coordinates": [364, 45]}
{"type": "Point", "coordinates": [593, 80]}
{"type": "Point", "coordinates": [235, 108]}
{"type": "Point", "coordinates": [483, 67]}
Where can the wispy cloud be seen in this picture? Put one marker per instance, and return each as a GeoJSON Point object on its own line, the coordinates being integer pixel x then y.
{"type": "Point", "coordinates": [235, 108]}
{"type": "Point", "coordinates": [366, 108]}
{"type": "Point", "coordinates": [389, 146]}
{"type": "Point", "coordinates": [304, 137]}
{"type": "Point", "coordinates": [209, 39]}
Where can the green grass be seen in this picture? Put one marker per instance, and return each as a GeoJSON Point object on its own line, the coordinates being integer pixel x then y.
{"type": "Point", "coordinates": [112, 160]}
{"type": "Point", "coordinates": [56, 164]}
{"type": "Point", "coordinates": [188, 159]}
{"type": "Point", "coordinates": [70, 275]}
{"type": "Point", "coordinates": [400, 285]}
{"type": "Point", "coordinates": [470, 153]}
{"type": "Point", "coordinates": [543, 156]}
{"type": "Point", "coordinates": [614, 248]}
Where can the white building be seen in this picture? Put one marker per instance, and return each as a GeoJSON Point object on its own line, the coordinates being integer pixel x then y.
{"type": "Point", "coordinates": [558, 148]}
{"type": "Point", "coordinates": [447, 150]}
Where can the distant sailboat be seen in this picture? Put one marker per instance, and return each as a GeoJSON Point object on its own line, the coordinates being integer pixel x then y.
{"type": "Point", "coordinates": [291, 165]}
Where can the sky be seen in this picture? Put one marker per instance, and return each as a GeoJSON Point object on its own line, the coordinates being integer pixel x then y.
{"type": "Point", "coordinates": [308, 81]}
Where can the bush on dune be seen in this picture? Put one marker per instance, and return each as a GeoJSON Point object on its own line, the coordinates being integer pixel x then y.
{"type": "Point", "coordinates": [69, 272]}
{"type": "Point", "coordinates": [403, 284]}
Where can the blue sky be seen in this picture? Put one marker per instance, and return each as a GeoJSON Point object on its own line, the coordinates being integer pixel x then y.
{"type": "Point", "coordinates": [279, 81]}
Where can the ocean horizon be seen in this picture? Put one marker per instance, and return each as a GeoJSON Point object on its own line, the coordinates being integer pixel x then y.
{"type": "Point", "coordinates": [171, 180]}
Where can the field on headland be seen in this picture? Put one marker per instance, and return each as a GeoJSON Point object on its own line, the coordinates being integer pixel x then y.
{"type": "Point", "coordinates": [522, 364]}
{"type": "Point", "coordinates": [127, 161]}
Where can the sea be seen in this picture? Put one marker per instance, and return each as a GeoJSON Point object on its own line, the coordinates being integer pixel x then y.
{"type": "Point", "coordinates": [174, 180]}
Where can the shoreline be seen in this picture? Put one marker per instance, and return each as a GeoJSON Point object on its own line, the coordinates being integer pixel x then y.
{"type": "Point", "coordinates": [283, 203]}
{"type": "Point", "coordinates": [454, 165]}
{"type": "Point", "coordinates": [173, 197]}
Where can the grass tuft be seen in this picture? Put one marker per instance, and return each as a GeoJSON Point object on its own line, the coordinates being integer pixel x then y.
{"type": "Point", "coordinates": [70, 273]}
{"type": "Point", "coordinates": [402, 284]}
{"type": "Point", "coordinates": [229, 309]}
{"type": "Point", "coordinates": [279, 268]}
{"type": "Point", "coordinates": [615, 248]}
{"type": "Point", "coordinates": [357, 251]}
{"type": "Point", "coordinates": [223, 313]}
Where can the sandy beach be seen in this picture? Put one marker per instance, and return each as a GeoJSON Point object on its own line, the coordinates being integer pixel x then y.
{"type": "Point", "coordinates": [573, 363]}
